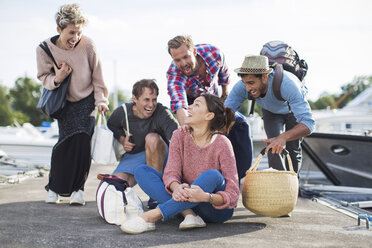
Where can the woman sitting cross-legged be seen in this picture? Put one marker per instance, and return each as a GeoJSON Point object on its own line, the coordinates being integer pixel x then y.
{"type": "Point", "coordinates": [200, 180]}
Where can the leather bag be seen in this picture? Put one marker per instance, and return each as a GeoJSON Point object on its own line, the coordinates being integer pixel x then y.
{"type": "Point", "coordinates": [52, 102]}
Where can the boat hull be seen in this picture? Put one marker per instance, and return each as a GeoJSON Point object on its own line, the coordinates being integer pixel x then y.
{"type": "Point", "coordinates": [347, 158]}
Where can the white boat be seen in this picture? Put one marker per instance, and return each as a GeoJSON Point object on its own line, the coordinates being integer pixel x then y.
{"type": "Point", "coordinates": [27, 143]}
{"type": "Point", "coordinates": [339, 150]}
{"type": "Point", "coordinates": [354, 118]}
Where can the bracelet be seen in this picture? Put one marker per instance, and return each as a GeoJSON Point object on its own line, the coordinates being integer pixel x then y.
{"type": "Point", "coordinates": [210, 198]}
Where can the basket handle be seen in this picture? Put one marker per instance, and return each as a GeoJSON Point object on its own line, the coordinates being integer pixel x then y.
{"type": "Point", "coordinates": [262, 152]}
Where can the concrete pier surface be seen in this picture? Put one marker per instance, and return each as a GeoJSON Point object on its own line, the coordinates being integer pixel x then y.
{"type": "Point", "coordinates": [27, 221]}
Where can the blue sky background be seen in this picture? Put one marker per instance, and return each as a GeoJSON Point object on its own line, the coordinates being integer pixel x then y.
{"type": "Point", "coordinates": [334, 37]}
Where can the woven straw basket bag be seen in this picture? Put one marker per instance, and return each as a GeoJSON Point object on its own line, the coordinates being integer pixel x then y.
{"type": "Point", "coordinates": [270, 193]}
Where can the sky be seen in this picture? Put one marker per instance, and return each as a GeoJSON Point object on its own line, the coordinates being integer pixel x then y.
{"type": "Point", "coordinates": [333, 36]}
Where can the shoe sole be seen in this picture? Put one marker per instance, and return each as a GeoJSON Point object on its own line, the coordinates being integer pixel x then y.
{"type": "Point", "coordinates": [185, 227]}
{"type": "Point", "coordinates": [77, 204]}
{"type": "Point", "coordinates": [52, 202]}
{"type": "Point", "coordinates": [133, 232]}
{"type": "Point", "coordinates": [284, 216]}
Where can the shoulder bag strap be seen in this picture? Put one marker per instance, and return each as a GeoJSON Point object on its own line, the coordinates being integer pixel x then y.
{"type": "Point", "coordinates": [251, 112]}
{"type": "Point", "coordinates": [45, 47]}
{"type": "Point", "coordinates": [126, 117]}
{"type": "Point", "coordinates": [277, 82]}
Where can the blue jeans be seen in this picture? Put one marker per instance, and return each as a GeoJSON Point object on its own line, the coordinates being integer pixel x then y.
{"type": "Point", "coordinates": [129, 162]}
{"type": "Point", "coordinates": [274, 124]}
{"type": "Point", "coordinates": [150, 181]}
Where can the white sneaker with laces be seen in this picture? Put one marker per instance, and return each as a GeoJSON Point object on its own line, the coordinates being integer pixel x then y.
{"type": "Point", "coordinates": [77, 198]}
{"type": "Point", "coordinates": [51, 197]}
{"type": "Point", "coordinates": [192, 221]}
{"type": "Point", "coordinates": [137, 225]}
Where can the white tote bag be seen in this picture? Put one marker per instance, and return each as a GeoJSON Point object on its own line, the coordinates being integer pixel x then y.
{"type": "Point", "coordinates": [102, 150]}
{"type": "Point", "coordinates": [116, 206]}
{"type": "Point", "coordinates": [118, 147]}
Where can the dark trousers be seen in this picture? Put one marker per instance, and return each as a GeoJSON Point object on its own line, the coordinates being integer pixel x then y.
{"type": "Point", "coordinates": [241, 141]}
{"type": "Point", "coordinates": [274, 125]}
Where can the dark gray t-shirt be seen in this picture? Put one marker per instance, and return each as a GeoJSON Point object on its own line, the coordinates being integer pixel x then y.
{"type": "Point", "coordinates": [161, 122]}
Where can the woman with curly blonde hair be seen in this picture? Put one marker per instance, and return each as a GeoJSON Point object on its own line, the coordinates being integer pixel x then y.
{"type": "Point", "coordinates": [74, 54]}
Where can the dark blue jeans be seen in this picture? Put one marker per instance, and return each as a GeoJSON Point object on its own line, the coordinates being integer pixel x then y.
{"type": "Point", "coordinates": [241, 141]}
{"type": "Point", "coordinates": [274, 125]}
{"type": "Point", "coordinates": [150, 181]}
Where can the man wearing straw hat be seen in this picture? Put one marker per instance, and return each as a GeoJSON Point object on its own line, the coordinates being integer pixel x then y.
{"type": "Point", "coordinates": [285, 122]}
{"type": "Point", "coordinates": [198, 69]}
{"type": "Point", "coordinates": [151, 126]}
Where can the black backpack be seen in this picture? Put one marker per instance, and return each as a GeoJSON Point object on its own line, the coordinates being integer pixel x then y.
{"type": "Point", "coordinates": [282, 56]}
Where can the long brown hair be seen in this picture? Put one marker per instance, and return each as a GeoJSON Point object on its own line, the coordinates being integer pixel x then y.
{"type": "Point", "coordinates": [224, 118]}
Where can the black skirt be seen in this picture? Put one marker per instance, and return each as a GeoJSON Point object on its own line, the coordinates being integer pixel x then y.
{"type": "Point", "coordinates": [71, 157]}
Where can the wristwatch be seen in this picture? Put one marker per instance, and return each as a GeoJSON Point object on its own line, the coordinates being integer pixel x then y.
{"type": "Point", "coordinates": [210, 198]}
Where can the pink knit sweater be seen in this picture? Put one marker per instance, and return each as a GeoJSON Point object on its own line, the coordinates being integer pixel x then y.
{"type": "Point", "coordinates": [86, 70]}
{"type": "Point", "coordinates": [186, 161]}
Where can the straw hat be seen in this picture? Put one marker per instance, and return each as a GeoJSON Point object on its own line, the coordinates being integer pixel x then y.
{"type": "Point", "coordinates": [253, 64]}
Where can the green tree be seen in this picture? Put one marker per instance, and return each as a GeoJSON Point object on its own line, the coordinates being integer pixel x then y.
{"type": "Point", "coordinates": [348, 92]}
{"type": "Point", "coordinates": [6, 113]}
{"type": "Point", "coordinates": [25, 95]}
{"type": "Point", "coordinates": [20, 117]}
{"type": "Point", "coordinates": [323, 102]}
{"type": "Point", "coordinates": [122, 97]}
{"type": "Point", "coordinates": [245, 108]}
{"type": "Point", "coordinates": [353, 89]}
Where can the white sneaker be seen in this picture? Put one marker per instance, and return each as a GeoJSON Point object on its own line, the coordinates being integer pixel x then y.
{"type": "Point", "coordinates": [137, 225]}
{"type": "Point", "coordinates": [77, 197]}
{"type": "Point", "coordinates": [51, 197]}
{"type": "Point", "coordinates": [192, 221]}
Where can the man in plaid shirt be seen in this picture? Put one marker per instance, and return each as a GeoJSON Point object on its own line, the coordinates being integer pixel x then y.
{"type": "Point", "coordinates": [195, 70]}
{"type": "Point", "coordinates": [201, 69]}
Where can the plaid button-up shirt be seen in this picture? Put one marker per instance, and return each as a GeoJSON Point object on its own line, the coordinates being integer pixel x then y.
{"type": "Point", "coordinates": [181, 86]}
